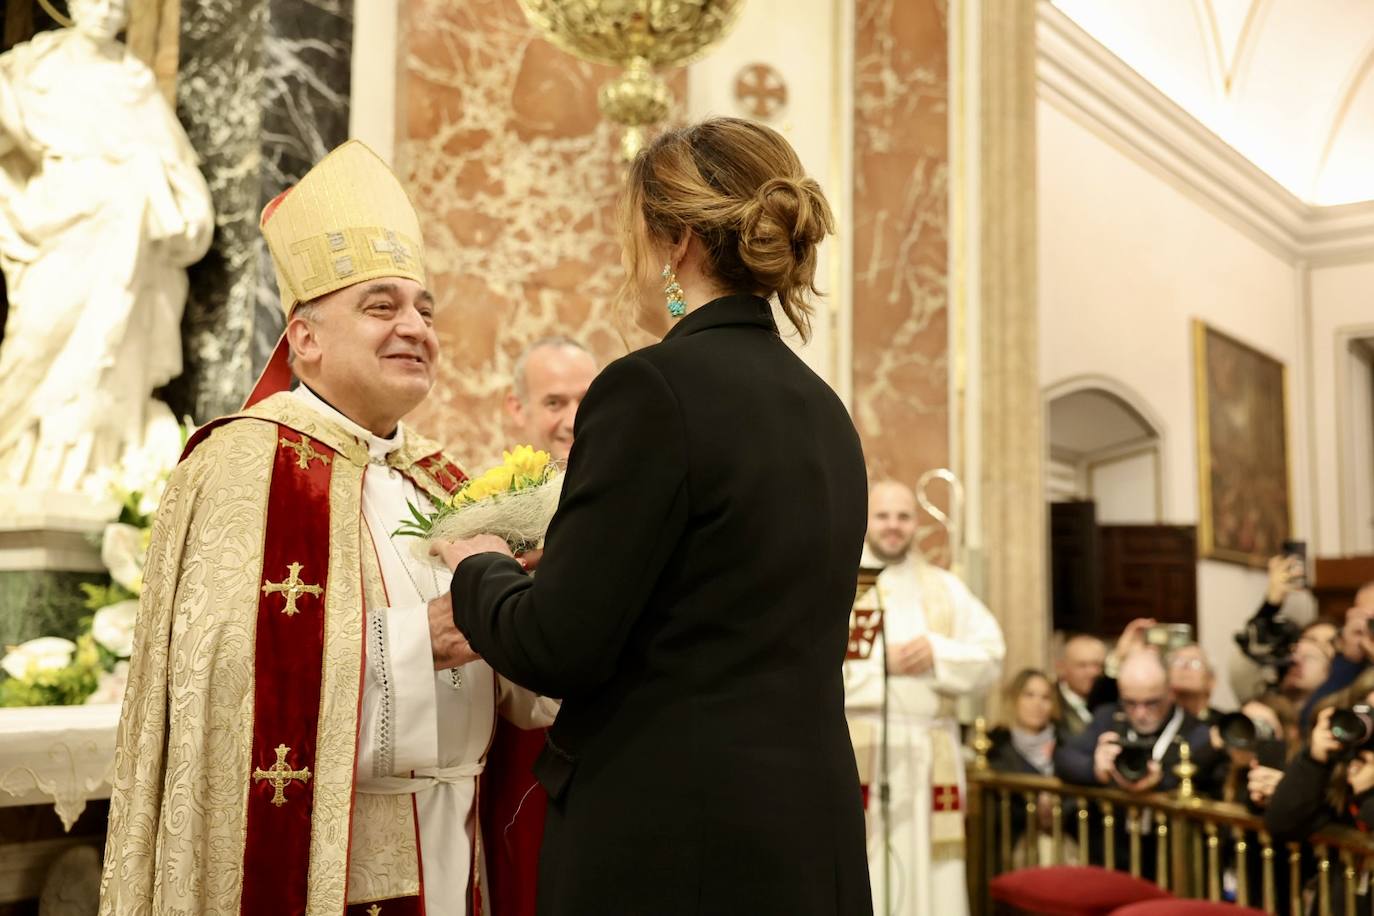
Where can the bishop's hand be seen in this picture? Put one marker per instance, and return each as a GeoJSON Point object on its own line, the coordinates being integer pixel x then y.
{"type": "Point", "coordinates": [455, 552]}
{"type": "Point", "coordinates": [449, 647]}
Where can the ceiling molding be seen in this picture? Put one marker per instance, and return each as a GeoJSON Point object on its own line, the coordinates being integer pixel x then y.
{"type": "Point", "coordinates": [1349, 91]}
{"type": "Point", "coordinates": [1083, 79]}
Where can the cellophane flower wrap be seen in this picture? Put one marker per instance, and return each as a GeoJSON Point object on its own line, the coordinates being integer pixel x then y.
{"type": "Point", "coordinates": [515, 501]}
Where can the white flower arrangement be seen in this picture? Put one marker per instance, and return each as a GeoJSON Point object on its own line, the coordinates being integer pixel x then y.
{"type": "Point", "coordinates": [94, 669]}
{"type": "Point", "coordinates": [113, 627]}
{"type": "Point", "coordinates": [29, 661]}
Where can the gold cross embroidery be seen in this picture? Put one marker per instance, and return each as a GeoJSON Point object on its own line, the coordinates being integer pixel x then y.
{"type": "Point", "coordinates": [280, 774]}
{"type": "Point", "coordinates": [946, 799]}
{"type": "Point", "coordinates": [374, 910]}
{"type": "Point", "coordinates": [292, 587]}
{"type": "Point", "coordinates": [305, 452]}
{"type": "Point", "coordinates": [394, 247]}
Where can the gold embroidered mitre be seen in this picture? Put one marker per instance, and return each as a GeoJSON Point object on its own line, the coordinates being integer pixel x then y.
{"type": "Point", "coordinates": [348, 220]}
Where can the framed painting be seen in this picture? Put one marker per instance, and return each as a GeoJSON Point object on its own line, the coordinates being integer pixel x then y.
{"type": "Point", "coordinates": [1245, 508]}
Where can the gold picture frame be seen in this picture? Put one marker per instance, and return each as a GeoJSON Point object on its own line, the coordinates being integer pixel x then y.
{"type": "Point", "coordinates": [1245, 492]}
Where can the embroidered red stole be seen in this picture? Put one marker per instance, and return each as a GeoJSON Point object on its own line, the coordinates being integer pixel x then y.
{"type": "Point", "coordinates": [288, 654]}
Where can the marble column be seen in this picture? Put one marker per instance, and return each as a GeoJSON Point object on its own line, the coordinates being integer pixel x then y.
{"type": "Point", "coordinates": [263, 93]}
{"type": "Point", "coordinates": [514, 172]}
{"type": "Point", "coordinates": [900, 259]}
{"type": "Point", "coordinates": [1007, 409]}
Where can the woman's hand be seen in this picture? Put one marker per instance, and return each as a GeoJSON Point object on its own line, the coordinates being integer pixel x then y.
{"type": "Point", "coordinates": [1323, 743]}
{"type": "Point", "coordinates": [455, 552]}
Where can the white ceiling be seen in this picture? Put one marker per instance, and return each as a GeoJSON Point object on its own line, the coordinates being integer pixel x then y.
{"type": "Point", "coordinates": [1288, 83]}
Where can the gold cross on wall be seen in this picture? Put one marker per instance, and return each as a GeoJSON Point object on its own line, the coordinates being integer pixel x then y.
{"type": "Point", "coordinates": [305, 452]}
{"type": "Point", "coordinates": [280, 774]}
{"type": "Point", "coordinates": [761, 90]}
{"type": "Point", "coordinates": [292, 588]}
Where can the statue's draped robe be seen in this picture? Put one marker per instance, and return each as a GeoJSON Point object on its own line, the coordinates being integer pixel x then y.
{"type": "Point", "coordinates": [102, 207]}
{"type": "Point", "coordinates": [282, 630]}
{"type": "Point", "coordinates": [925, 860]}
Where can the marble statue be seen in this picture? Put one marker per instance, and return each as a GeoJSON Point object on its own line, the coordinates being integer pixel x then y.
{"type": "Point", "coordinates": [102, 208]}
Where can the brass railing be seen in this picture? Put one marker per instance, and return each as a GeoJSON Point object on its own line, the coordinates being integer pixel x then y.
{"type": "Point", "coordinates": [1185, 844]}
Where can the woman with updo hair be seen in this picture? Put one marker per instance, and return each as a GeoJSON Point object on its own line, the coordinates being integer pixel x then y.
{"type": "Point", "coordinates": [692, 603]}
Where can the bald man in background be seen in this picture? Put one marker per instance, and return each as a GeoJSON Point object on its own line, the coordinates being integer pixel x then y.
{"type": "Point", "coordinates": [1147, 713]}
{"type": "Point", "coordinates": [550, 380]}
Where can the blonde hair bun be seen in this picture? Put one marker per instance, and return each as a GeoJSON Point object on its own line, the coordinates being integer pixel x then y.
{"type": "Point", "coordinates": [740, 188]}
{"type": "Point", "coordinates": [779, 230]}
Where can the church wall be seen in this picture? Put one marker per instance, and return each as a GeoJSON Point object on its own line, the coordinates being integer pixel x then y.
{"type": "Point", "coordinates": [512, 167]}
{"type": "Point", "coordinates": [1342, 303]}
{"type": "Point", "coordinates": [901, 239]}
{"type": "Point", "coordinates": [492, 120]}
{"type": "Point", "coordinates": [1126, 262]}
{"type": "Point", "coordinates": [805, 43]}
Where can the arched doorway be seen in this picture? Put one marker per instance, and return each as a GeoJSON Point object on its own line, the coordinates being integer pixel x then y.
{"type": "Point", "coordinates": [1112, 557]}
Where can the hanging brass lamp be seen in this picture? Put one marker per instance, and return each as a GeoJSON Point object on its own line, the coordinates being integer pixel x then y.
{"type": "Point", "coordinates": [640, 36]}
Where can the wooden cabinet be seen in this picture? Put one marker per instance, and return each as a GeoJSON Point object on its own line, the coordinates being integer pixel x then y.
{"type": "Point", "coordinates": [1104, 576]}
{"type": "Point", "coordinates": [1335, 581]}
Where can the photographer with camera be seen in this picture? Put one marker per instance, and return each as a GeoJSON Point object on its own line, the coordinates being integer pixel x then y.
{"type": "Point", "coordinates": [1355, 650]}
{"type": "Point", "coordinates": [1277, 653]}
{"type": "Point", "coordinates": [1258, 740]}
{"type": "Point", "coordinates": [1331, 780]}
{"type": "Point", "coordinates": [1334, 774]}
{"type": "Point", "coordinates": [1134, 744]}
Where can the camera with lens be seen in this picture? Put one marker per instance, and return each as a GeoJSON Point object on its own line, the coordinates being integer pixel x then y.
{"type": "Point", "coordinates": [1353, 729]}
{"type": "Point", "coordinates": [1268, 640]}
{"type": "Point", "coordinates": [1239, 732]}
{"type": "Point", "coordinates": [1133, 763]}
{"type": "Point", "coordinates": [1242, 732]}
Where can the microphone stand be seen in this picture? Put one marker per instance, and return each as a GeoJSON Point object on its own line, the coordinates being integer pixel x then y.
{"type": "Point", "coordinates": [884, 786]}
{"type": "Point", "coordinates": [868, 581]}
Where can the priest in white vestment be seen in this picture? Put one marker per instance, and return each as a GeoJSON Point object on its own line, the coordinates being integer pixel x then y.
{"type": "Point", "coordinates": [941, 643]}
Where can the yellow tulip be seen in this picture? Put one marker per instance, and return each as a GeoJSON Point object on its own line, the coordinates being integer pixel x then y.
{"type": "Point", "coordinates": [526, 462]}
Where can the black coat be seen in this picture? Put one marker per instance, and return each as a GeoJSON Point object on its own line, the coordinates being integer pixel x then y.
{"type": "Point", "coordinates": [1005, 758]}
{"type": "Point", "coordinates": [692, 610]}
{"type": "Point", "coordinates": [1301, 806]}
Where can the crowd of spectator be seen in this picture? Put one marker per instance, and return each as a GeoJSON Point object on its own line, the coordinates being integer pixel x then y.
{"type": "Point", "coordinates": [1298, 749]}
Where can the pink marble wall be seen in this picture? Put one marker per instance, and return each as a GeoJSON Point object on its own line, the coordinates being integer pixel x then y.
{"type": "Point", "coordinates": [901, 221]}
{"type": "Point", "coordinates": [514, 171]}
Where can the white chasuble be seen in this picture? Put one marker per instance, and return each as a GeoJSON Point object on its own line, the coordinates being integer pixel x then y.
{"type": "Point", "coordinates": [423, 733]}
{"type": "Point", "coordinates": [922, 873]}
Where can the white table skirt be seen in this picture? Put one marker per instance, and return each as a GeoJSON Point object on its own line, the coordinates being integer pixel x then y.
{"type": "Point", "coordinates": [58, 755]}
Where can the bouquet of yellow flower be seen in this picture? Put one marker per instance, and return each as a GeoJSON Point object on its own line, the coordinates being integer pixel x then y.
{"type": "Point", "coordinates": [515, 500]}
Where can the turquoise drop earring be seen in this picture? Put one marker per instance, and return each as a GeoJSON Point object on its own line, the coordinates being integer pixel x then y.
{"type": "Point", "coordinates": [677, 306]}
